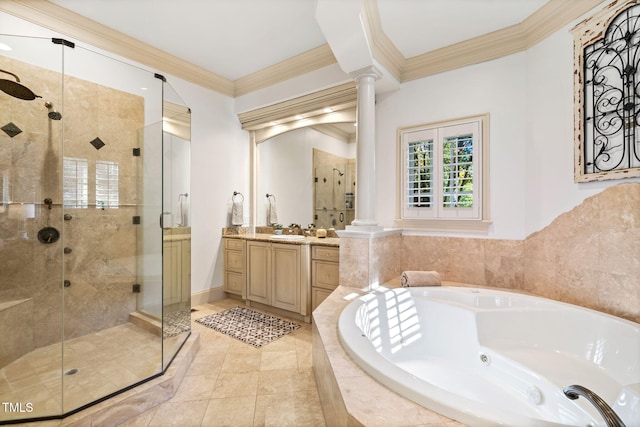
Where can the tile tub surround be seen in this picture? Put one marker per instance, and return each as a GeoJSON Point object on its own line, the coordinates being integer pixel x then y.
{"type": "Point", "coordinates": [587, 256]}
{"type": "Point", "coordinates": [349, 396]}
{"type": "Point", "coordinates": [366, 262]}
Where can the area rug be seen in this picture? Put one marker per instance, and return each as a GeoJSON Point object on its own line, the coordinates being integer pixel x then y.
{"type": "Point", "coordinates": [249, 326]}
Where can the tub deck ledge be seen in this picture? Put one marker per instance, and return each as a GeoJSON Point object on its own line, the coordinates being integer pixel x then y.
{"type": "Point", "coordinates": [346, 391]}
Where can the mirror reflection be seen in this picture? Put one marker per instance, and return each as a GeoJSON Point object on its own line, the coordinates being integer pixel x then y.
{"type": "Point", "coordinates": [311, 173]}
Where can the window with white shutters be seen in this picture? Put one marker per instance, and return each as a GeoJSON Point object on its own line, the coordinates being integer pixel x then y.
{"type": "Point", "coordinates": [443, 172]}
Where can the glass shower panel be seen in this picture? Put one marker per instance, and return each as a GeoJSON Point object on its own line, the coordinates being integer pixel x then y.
{"type": "Point", "coordinates": [31, 268]}
{"type": "Point", "coordinates": [176, 294]}
{"type": "Point", "coordinates": [107, 107]}
{"type": "Point", "coordinates": [84, 309]}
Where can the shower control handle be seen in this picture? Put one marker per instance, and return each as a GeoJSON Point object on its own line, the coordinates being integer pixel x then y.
{"type": "Point", "coordinates": [67, 217]}
{"type": "Point", "coordinates": [67, 250]}
{"type": "Point", "coordinates": [67, 283]}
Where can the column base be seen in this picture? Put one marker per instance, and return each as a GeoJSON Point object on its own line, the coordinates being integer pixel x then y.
{"type": "Point", "coordinates": [364, 227]}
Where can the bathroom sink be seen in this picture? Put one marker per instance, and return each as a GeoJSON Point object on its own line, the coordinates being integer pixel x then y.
{"type": "Point", "coordinates": [286, 237]}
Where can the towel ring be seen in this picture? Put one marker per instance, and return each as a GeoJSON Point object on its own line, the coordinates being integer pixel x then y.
{"type": "Point", "coordinates": [235, 193]}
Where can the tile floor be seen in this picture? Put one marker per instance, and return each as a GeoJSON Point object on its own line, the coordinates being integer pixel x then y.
{"type": "Point", "coordinates": [234, 384]}
{"type": "Point", "coordinates": [104, 362]}
{"type": "Point", "coordinates": [229, 383]}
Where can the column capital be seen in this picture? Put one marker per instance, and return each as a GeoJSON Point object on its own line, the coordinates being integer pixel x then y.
{"type": "Point", "coordinates": [370, 71]}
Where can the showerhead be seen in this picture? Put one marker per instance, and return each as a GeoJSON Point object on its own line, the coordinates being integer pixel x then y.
{"type": "Point", "coordinates": [53, 114]}
{"type": "Point", "coordinates": [15, 89]}
{"type": "Point", "coordinates": [339, 172]}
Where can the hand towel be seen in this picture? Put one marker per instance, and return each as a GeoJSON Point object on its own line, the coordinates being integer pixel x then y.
{"type": "Point", "coordinates": [237, 215]}
{"type": "Point", "coordinates": [420, 278]}
{"type": "Point", "coordinates": [272, 214]}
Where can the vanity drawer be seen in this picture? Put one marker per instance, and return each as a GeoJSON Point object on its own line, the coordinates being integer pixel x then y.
{"type": "Point", "coordinates": [234, 260]}
{"type": "Point", "coordinates": [234, 244]}
{"type": "Point", "coordinates": [233, 282]}
{"type": "Point", "coordinates": [325, 274]}
{"type": "Point", "coordinates": [325, 253]}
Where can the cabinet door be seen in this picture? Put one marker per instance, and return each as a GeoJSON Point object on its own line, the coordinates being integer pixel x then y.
{"type": "Point", "coordinates": [171, 272]}
{"type": "Point", "coordinates": [286, 277]}
{"type": "Point", "coordinates": [259, 272]}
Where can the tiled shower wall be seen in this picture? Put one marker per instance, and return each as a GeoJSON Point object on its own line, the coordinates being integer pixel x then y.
{"type": "Point", "coordinates": [102, 264]}
{"type": "Point", "coordinates": [589, 256]}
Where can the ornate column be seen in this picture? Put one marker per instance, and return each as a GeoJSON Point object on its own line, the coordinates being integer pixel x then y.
{"type": "Point", "coordinates": [365, 203]}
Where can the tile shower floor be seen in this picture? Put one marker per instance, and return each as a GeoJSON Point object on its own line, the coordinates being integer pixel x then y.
{"type": "Point", "coordinates": [229, 383]}
{"type": "Point", "coordinates": [234, 384]}
{"type": "Point", "coordinates": [98, 364]}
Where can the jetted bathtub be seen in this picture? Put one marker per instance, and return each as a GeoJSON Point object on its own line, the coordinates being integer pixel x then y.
{"type": "Point", "coordinates": [487, 357]}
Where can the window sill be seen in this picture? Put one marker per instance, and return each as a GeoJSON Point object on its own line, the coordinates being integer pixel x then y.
{"type": "Point", "coordinates": [445, 225]}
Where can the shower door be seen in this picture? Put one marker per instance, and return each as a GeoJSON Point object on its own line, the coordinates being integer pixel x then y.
{"type": "Point", "coordinates": [111, 198]}
{"type": "Point", "coordinates": [176, 256]}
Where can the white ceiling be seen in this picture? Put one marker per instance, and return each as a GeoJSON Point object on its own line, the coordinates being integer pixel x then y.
{"type": "Point", "coordinates": [234, 38]}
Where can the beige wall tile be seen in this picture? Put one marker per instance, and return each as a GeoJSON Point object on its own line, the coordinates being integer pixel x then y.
{"type": "Point", "coordinates": [587, 256]}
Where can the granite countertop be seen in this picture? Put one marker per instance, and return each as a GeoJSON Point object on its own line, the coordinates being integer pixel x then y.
{"type": "Point", "coordinates": [265, 237]}
{"type": "Point", "coordinates": [176, 233]}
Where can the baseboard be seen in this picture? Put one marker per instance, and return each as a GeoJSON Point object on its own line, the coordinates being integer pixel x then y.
{"type": "Point", "coordinates": [208, 295]}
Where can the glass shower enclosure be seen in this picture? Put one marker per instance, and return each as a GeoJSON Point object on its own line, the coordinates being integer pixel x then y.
{"type": "Point", "coordinates": [94, 226]}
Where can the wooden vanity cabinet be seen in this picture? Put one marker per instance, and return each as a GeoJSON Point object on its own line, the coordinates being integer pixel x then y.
{"type": "Point", "coordinates": [277, 276]}
{"type": "Point", "coordinates": [325, 272]}
{"type": "Point", "coordinates": [234, 266]}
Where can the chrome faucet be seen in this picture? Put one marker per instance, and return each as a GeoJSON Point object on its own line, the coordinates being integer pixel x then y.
{"type": "Point", "coordinates": [610, 417]}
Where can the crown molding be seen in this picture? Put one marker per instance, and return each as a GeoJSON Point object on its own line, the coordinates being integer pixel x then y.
{"type": "Point", "coordinates": [383, 49]}
{"type": "Point", "coordinates": [473, 51]}
{"type": "Point", "coordinates": [298, 65]}
{"type": "Point", "coordinates": [337, 97]}
{"type": "Point", "coordinates": [545, 21]}
{"type": "Point", "coordinates": [61, 20]}
{"type": "Point", "coordinates": [548, 19]}
{"type": "Point", "coordinates": [335, 132]}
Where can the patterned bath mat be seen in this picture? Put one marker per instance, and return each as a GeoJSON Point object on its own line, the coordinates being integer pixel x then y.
{"type": "Point", "coordinates": [176, 323]}
{"type": "Point", "coordinates": [249, 326]}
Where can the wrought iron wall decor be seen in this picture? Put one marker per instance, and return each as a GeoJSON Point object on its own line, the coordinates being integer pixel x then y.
{"type": "Point", "coordinates": [607, 49]}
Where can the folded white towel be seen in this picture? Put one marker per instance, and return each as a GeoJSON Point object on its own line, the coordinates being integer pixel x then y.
{"type": "Point", "coordinates": [420, 278]}
{"type": "Point", "coordinates": [237, 215]}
